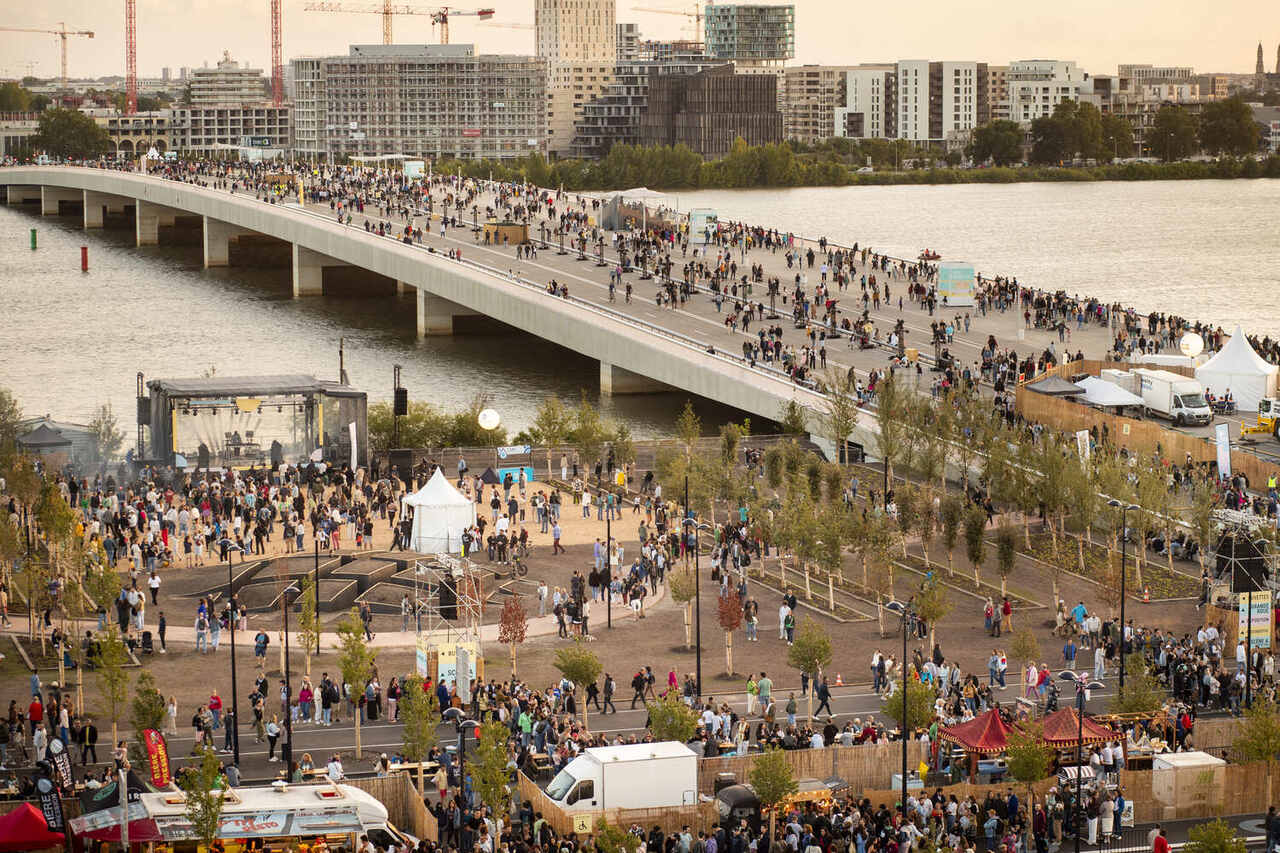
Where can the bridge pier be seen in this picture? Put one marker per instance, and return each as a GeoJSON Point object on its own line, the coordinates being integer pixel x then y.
{"type": "Point", "coordinates": [435, 314]}
{"type": "Point", "coordinates": [51, 196]}
{"type": "Point", "coordinates": [615, 380]}
{"type": "Point", "coordinates": [21, 195]}
{"type": "Point", "coordinates": [217, 241]}
{"type": "Point", "coordinates": [148, 219]}
{"type": "Point", "coordinates": [98, 205]}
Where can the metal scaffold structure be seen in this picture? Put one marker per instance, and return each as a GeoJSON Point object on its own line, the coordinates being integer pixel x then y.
{"type": "Point", "coordinates": [449, 592]}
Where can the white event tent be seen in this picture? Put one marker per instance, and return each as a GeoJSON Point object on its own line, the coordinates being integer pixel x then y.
{"type": "Point", "coordinates": [1237, 367]}
{"type": "Point", "coordinates": [440, 514]}
{"type": "Point", "coordinates": [1099, 392]}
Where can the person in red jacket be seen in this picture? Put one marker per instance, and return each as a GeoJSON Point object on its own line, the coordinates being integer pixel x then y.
{"type": "Point", "coordinates": [1161, 844]}
{"type": "Point", "coordinates": [35, 713]}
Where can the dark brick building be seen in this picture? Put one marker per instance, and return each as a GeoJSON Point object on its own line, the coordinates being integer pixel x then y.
{"type": "Point", "coordinates": [706, 111]}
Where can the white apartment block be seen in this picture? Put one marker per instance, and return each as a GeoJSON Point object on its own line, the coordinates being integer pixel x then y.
{"type": "Point", "coordinates": [1037, 86]}
{"type": "Point", "coordinates": [870, 106]}
{"type": "Point", "coordinates": [998, 91]}
{"type": "Point", "coordinates": [229, 83]}
{"type": "Point", "coordinates": [913, 99]}
{"type": "Point", "coordinates": [577, 39]}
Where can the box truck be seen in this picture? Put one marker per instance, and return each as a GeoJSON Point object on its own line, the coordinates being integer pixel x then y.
{"type": "Point", "coordinates": [631, 776]}
{"type": "Point", "coordinates": [1174, 396]}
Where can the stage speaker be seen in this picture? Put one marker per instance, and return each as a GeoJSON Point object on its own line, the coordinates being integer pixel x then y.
{"type": "Point", "coordinates": [449, 599]}
{"type": "Point", "coordinates": [403, 461]}
{"type": "Point", "coordinates": [401, 402]}
{"type": "Point", "coordinates": [144, 411]}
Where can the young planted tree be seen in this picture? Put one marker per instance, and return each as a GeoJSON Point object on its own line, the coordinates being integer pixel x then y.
{"type": "Point", "coordinates": [1006, 555]}
{"type": "Point", "coordinates": [839, 413]}
{"type": "Point", "coordinates": [581, 666]}
{"type": "Point", "coordinates": [933, 603]}
{"type": "Point", "coordinates": [202, 795]}
{"type": "Point", "coordinates": [811, 653]}
{"type": "Point", "coordinates": [420, 712]}
{"type": "Point", "coordinates": [920, 699]}
{"type": "Point", "coordinates": [1214, 836]}
{"type": "Point", "coordinates": [926, 522]}
{"type": "Point", "coordinates": [355, 661]}
{"type": "Point", "coordinates": [681, 583]}
{"type": "Point", "coordinates": [308, 631]}
{"type": "Point", "coordinates": [950, 517]}
{"type": "Point", "coordinates": [113, 677]}
{"type": "Point", "coordinates": [1025, 647]}
{"type": "Point", "coordinates": [688, 429]}
{"type": "Point", "coordinates": [891, 416]}
{"type": "Point", "coordinates": [588, 431]}
{"type": "Point", "coordinates": [1206, 499]}
{"type": "Point", "coordinates": [1259, 738]}
{"type": "Point", "coordinates": [729, 614]}
{"type": "Point", "coordinates": [513, 625]}
{"type": "Point", "coordinates": [1030, 760]}
{"type": "Point", "coordinates": [551, 424]}
{"type": "Point", "coordinates": [671, 719]}
{"type": "Point", "coordinates": [773, 781]}
{"type": "Point", "coordinates": [975, 542]}
{"type": "Point", "coordinates": [107, 435]}
{"type": "Point", "coordinates": [1142, 693]}
{"type": "Point", "coordinates": [907, 501]}
{"type": "Point", "coordinates": [490, 775]}
{"type": "Point", "coordinates": [148, 713]}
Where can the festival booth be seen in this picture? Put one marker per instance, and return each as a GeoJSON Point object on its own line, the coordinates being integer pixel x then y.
{"type": "Point", "coordinates": [1106, 395]}
{"type": "Point", "coordinates": [1055, 386]}
{"type": "Point", "coordinates": [25, 829]}
{"type": "Point", "coordinates": [440, 514]}
{"type": "Point", "coordinates": [1062, 729]}
{"type": "Point", "coordinates": [983, 739]}
{"type": "Point", "coordinates": [1236, 367]}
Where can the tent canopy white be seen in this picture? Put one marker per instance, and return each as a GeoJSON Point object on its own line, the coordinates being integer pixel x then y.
{"type": "Point", "coordinates": [440, 514]}
{"type": "Point", "coordinates": [1100, 392]}
{"type": "Point", "coordinates": [1236, 367]}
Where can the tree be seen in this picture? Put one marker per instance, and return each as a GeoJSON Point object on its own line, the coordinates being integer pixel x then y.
{"type": "Point", "coordinates": [70, 133]}
{"type": "Point", "coordinates": [920, 699]}
{"type": "Point", "coordinates": [202, 795]}
{"type": "Point", "coordinates": [688, 429]}
{"type": "Point", "coordinates": [811, 653]}
{"type": "Point", "coordinates": [513, 624]}
{"type": "Point", "coordinates": [1000, 142]}
{"type": "Point", "coordinates": [1228, 127]}
{"type": "Point", "coordinates": [729, 613]}
{"type": "Point", "coordinates": [933, 603]}
{"type": "Point", "coordinates": [10, 417]}
{"type": "Point", "coordinates": [1205, 501]}
{"type": "Point", "coordinates": [1006, 555]}
{"type": "Point", "coordinates": [611, 839]}
{"type": "Point", "coordinates": [355, 661]}
{"type": "Point", "coordinates": [581, 666]}
{"type": "Point", "coordinates": [1173, 133]}
{"type": "Point", "coordinates": [950, 516]}
{"type": "Point", "coordinates": [490, 776]}
{"type": "Point", "coordinates": [792, 419]}
{"type": "Point", "coordinates": [148, 713]}
{"type": "Point", "coordinates": [975, 543]}
{"type": "Point", "coordinates": [1215, 836]}
{"type": "Point", "coordinates": [1025, 647]}
{"type": "Point", "coordinates": [1029, 758]}
{"type": "Point", "coordinates": [114, 680]}
{"type": "Point", "coordinates": [1259, 738]}
{"type": "Point", "coordinates": [773, 781]}
{"type": "Point", "coordinates": [1117, 135]}
{"type": "Point", "coordinates": [107, 435]}
{"type": "Point", "coordinates": [671, 719]}
{"type": "Point", "coordinates": [588, 431]}
{"type": "Point", "coordinates": [1142, 693]}
{"type": "Point", "coordinates": [420, 712]}
{"type": "Point", "coordinates": [551, 424]}
{"type": "Point", "coordinates": [14, 98]}
{"type": "Point", "coordinates": [308, 631]}
{"type": "Point", "coordinates": [839, 413]}
{"type": "Point", "coordinates": [891, 406]}
{"type": "Point", "coordinates": [681, 582]}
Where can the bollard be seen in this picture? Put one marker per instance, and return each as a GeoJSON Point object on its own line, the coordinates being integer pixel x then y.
{"type": "Point", "coordinates": [84, 259]}
{"type": "Point", "coordinates": [33, 239]}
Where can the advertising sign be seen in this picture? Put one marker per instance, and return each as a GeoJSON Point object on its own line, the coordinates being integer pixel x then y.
{"type": "Point", "coordinates": [50, 804]}
{"type": "Point", "coordinates": [1223, 434]}
{"type": "Point", "coordinates": [956, 283]}
{"type": "Point", "coordinates": [268, 824]}
{"type": "Point", "coordinates": [513, 450]}
{"type": "Point", "coordinates": [414, 168]}
{"type": "Point", "coordinates": [702, 224]}
{"type": "Point", "coordinates": [472, 132]}
{"type": "Point", "coordinates": [447, 662]}
{"type": "Point", "coordinates": [1260, 615]}
{"type": "Point", "coordinates": [157, 757]}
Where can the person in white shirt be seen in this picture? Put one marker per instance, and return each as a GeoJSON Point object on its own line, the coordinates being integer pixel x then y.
{"type": "Point", "coordinates": [1099, 663]}
{"type": "Point", "coordinates": [334, 770]}
{"type": "Point", "coordinates": [783, 610]}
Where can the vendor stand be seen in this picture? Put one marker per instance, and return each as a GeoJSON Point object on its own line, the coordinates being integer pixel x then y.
{"type": "Point", "coordinates": [984, 737]}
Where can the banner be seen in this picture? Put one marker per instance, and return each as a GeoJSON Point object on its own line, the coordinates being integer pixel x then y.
{"type": "Point", "coordinates": [157, 757]}
{"type": "Point", "coordinates": [1258, 606]}
{"type": "Point", "coordinates": [351, 427]}
{"type": "Point", "coordinates": [956, 283]}
{"type": "Point", "coordinates": [1223, 432]}
{"type": "Point", "coordinates": [50, 804]}
{"type": "Point", "coordinates": [513, 450]}
{"type": "Point", "coordinates": [1082, 444]}
{"type": "Point", "coordinates": [61, 764]}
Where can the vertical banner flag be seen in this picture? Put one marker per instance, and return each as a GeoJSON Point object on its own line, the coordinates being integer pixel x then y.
{"type": "Point", "coordinates": [1224, 450]}
{"type": "Point", "coordinates": [157, 757]}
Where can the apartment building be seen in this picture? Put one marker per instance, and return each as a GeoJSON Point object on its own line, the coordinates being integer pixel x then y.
{"type": "Point", "coordinates": [998, 91]}
{"type": "Point", "coordinates": [1037, 86]}
{"type": "Point", "coordinates": [758, 38]}
{"type": "Point", "coordinates": [577, 39]}
{"type": "Point", "coordinates": [229, 82]}
{"type": "Point", "coordinates": [213, 130]}
{"type": "Point", "coordinates": [870, 110]}
{"type": "Point", "coordinates": [708, 110]}
{"type": "Point", "coordinates": [811, 94]}
{"type": "Point", "coordinates": [419, 101]}
{"type": "Point", "coordinates": [628, 46]}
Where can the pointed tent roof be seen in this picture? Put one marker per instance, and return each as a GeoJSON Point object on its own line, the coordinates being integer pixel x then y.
{"type": "Point", "coordinates": [25, 828]}
{"type": "Point", "coordinates": [1100, 392]}
{"type": "Point", "coordinates": [1237, 356]}
{"type": "Point", "coordinates": [43, 436]}
{"type": "Point", "coordinates": [1061, 728]}
{"type": "Point", "coordinates": [437, 492]}
{"type": "Point", "coordinates": [985, 734]}
{"type": "Point", "coordinates": [490, 477]}
{"type": "Point", "coordinates": [1055, 386]}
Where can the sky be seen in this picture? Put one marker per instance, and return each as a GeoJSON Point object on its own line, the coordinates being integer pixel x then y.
{"type": "Point", "coordinates": [1098, 34]}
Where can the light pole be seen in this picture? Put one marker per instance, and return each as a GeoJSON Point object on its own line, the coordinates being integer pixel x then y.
{"type": "Point", "coordinates": [689, 521]}
{"type": "Point", "coordinates": [608, 562]}
{"type": "Point", "coordinates": [316, 583]}
{"type": "Point", "coordinates": [901, 609]}
{"type": "Point", "coordinates": [1124, 538]}
{"type": "Point", "coordinates": [235, 691]}
{"type": "Point", "coordinates": [1083, 686]}
{"type": "Point", "coordinates": [460, 725]}
{"type": "Point", "coordinates": [286, 754]}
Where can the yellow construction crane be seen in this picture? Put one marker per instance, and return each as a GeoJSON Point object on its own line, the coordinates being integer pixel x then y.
{"type": "Point", "coordinates": [439, 14]}
{"type": "Point", "coordinates": [63, 32]}
{"type": "Point", "coordinates": [696, 15]}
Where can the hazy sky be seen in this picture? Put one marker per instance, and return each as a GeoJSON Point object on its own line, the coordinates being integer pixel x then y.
{"type": "Point", "coordinates": [1099, 34]}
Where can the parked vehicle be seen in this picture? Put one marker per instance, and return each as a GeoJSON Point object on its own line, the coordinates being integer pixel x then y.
{"type": "Point", "coordinates": [1174, 396]}
{"type": "Point", "coordinates": [631, 776]}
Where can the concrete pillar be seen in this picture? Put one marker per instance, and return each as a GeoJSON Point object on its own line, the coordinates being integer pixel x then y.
{"type": "Point", "coordinates": [94, 205]}
{"type": "Point", "coordinates": [20, 194]}
{"type": "Point", "coordinates": [146, 224]}
{"type": "Point", "coordinates": [50, 196]}
{"type": "Point", "coordinates": [435, 315]}
{"type": "Point", "coordinates": [308, 271]}
{"type": "Point", "coordinates": [615, 380]}
{"type": "Point", "coordinates": [217, 241]}
{"type": "Point", "coordinates": [402, 288]}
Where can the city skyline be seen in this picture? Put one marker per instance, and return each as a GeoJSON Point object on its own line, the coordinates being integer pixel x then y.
{"type": "Point", "coordinates": [994, 31]}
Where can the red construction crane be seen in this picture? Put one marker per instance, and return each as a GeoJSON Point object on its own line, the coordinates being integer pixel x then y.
{"type": "Point", "coordinates": [277, 63]}
{"type": "Point", "coordinates": [130, 57]}
{"type": "Point", "coordinates": [439, 15]}
{"type": "Point", "coordinates": [61, 31]}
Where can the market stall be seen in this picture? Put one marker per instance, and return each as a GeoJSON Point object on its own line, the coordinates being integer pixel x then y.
{"type": "Point", "coordinates": [983, 739]}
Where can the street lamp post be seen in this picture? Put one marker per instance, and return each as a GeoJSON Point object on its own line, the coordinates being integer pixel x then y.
{"type": "Point", "coordinates": [1124, 530]}
{"type": "Point", "coordinates": [608, 562]}
{"type": "Point", "coordinates": [286, 754]}
{"type": "Point", "coordinates": [1083, 686]}
{"type": "Point", "coordinates": [901, 609]}
{"type": "Point", "coordinates": [235, 691]}
{"type": "Point", "coordinates": [316, 582]}
{"type": "Point", "coordinates": [688, 521]}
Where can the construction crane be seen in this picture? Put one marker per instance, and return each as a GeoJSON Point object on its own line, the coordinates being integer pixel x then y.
{"type": "Point", "coordinates": [439, 15]}
{"type": "Point", "coordinates": [277, 63]}
{"type": "Point", "coordinates": [697, 16]}
{"type": "Point", "coordinates": [62, 31]}
{"type": "Point", "coordinates": [130, 57]}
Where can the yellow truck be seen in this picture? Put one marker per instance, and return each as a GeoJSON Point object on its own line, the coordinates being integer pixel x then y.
{"type": "Point", "coordinates": [1268, 419]}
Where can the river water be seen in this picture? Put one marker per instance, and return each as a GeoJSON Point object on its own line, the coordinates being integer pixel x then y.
{"type": "Point", "coordinates": [1201, 249]}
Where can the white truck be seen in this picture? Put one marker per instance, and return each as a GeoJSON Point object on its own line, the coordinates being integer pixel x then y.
{"type": "Point", "coordinates": [1174, 396]}
{"type": "Point", "coordinates": [631, 776]}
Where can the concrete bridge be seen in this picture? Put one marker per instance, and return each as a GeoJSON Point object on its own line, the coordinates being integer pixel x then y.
{"type": "Point", "coordinates": [635, 355]}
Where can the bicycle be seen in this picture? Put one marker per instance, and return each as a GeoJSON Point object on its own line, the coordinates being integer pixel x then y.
{"type": "Point", "coordinates": [518, 557]}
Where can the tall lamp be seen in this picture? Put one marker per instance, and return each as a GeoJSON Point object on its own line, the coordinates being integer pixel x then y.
{"type": "Point", "coordinates": [1124, 539]}
{"type": "Point", "coordinates": [1083, 685]}
{"type": "Point", "coordinates": [901, 609]}
{"type": "Point", "coordinates": [235, 692]}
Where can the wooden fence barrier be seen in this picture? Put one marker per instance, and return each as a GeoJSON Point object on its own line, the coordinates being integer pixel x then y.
{"type": "Point", "coordinates": [405, 808]}
{"type": "Point", "coordinates": [869, 765]}
{"type": "Point", "coordinates": [697, 816]}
